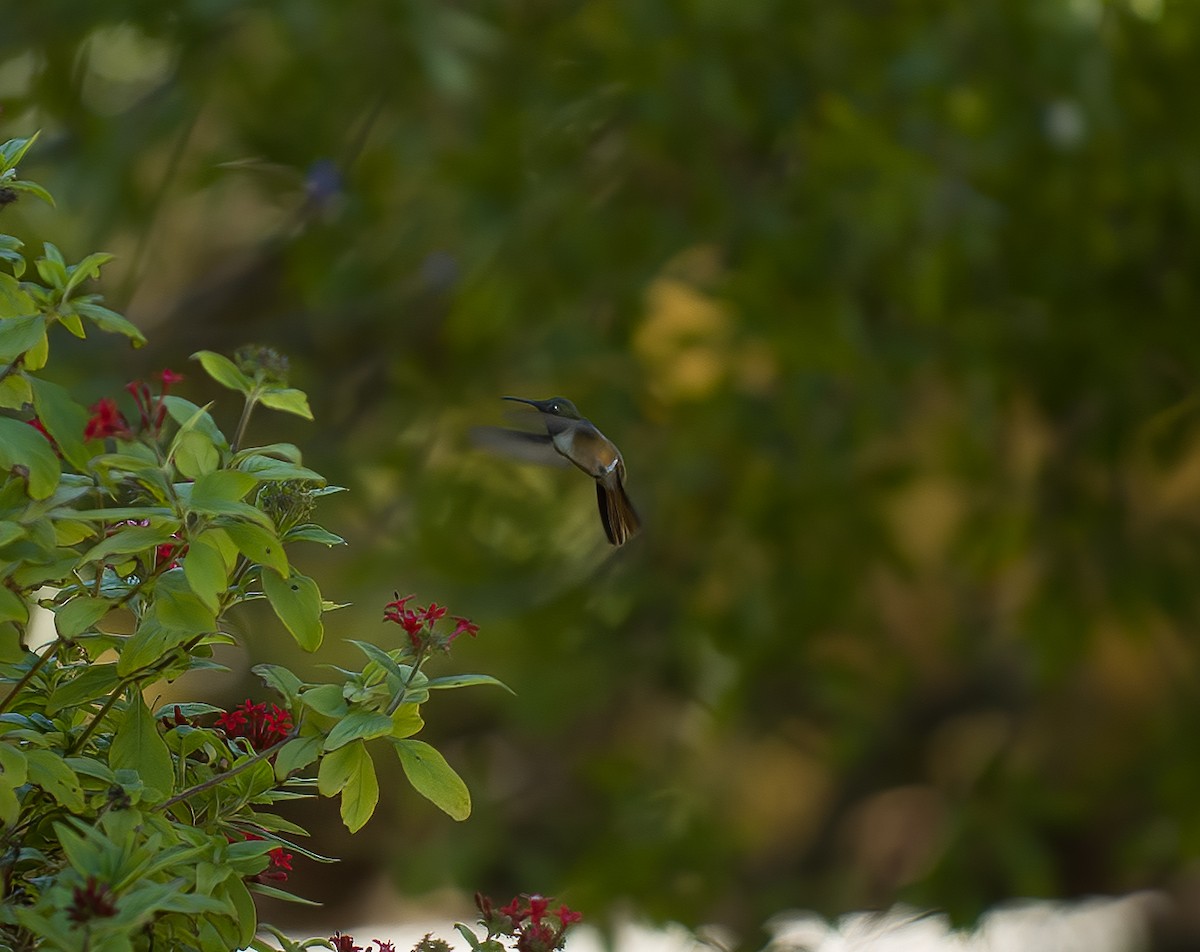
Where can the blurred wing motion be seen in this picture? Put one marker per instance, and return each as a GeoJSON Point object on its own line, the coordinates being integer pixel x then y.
{"type": "Point", "coordinates": [528, 447]}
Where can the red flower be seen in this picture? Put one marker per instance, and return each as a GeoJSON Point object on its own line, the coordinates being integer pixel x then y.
{"type": "Point", "coordinates": [537, 907]}
{"type": "Point", "coordinates": [106, 420]}
{"type": "Point", "coordinates": [514, 911]}
{"type": "Point", "coordinates": [169, 378]}
{"type": "Point", "coordinates": [344, 943]}
{"type": "Point", "coordinates": [433, 612]}
{"type": "Point", "coordinates": [93, 900]}
{"type": "Point", "coordinates": [568, 916]}
{"type": "Point", "coordinates": [263, 728]}
{"type": "Point", "coordinates": [537, 937]}
{"type": "Point", "coordinates": [464, 627]}
{"type": "Point", "coordinates": [385, 946]}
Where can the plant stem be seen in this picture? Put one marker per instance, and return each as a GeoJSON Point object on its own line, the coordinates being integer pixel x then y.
{"type": "Point", "coordinates": [412, 673]}
{"type": "Point", "coordinates": [221, 778]}
{"type": "Point", "coordinates": [28, 676]}
{"type": "Point", "coordinates": [251, 400]}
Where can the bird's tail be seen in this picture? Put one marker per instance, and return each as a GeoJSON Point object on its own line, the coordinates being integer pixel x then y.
{"type": "Point", "coordinates": [620, 519]}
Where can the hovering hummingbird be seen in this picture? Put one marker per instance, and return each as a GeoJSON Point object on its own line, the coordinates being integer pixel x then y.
{"type": "Point", "coordinates": [576, 439]}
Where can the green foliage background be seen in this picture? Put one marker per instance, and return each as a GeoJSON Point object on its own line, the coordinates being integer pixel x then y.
{"type": "Point", "coordinates": [891, 308]}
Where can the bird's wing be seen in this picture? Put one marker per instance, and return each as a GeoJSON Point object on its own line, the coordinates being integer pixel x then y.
{"type": "Point", "coordinates": [530, 447]}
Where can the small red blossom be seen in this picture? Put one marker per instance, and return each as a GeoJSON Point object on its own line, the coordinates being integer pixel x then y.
{"type": "Point", "coordinates": [344, 943]}
{"type": "Point", "coordinates": [514, 910]}
{"type": "Point", "coordinates": [385, 946]}
{"type": "Point", "coordinates": [567, 917]}
{"type": "Point", "coordinates": [464, 626]}
{"type": "Point", "coordinates": [169, 378]}
{"type": "Point", "coordinates": [433, 613]}
{"type": "Point", "coordinates": [537, 907]}
{"type": "Point", "coordinates": [106, 420]}
{"type": "Point", "coordinates": [261, 726]}
{"type": "Point", "coordinates": [537, 937]}
{"type": "Point", "coordinates": [93, 900]}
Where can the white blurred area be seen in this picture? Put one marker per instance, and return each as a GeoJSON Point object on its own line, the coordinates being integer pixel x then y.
{"type": "Point", "coordinates": [1123, 924]}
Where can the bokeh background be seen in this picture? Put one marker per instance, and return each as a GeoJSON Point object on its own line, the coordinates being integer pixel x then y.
{"type": "Point", "coordinates": [892, 309]}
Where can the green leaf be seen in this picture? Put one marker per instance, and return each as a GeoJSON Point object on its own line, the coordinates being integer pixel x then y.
{"type": "Point", "coordinates": [12, 606]}
{"type": "Point", "coordinates": [223, 371]}
{"type": "Point", "coordinates": [297, 601]}
{"type": "Point", "coordinates": [89, 267]}
{"type": "Point", "coordinates": [10, 531]}
{"type": "Point", "coordinates": [325, 699]}
{"type": "Point", "coordinates": [284, 451]}
{"type": "Point", "coordinates": [406, 721]}
{"type": "Point", "coordinates": [337, 767]}
{"type": "Point", "coordinates": [13, 765]}
{"type": "Point", "coordinates": [110, 321]}
{"type": "Point", "coordinates": [15, 392]}
{"type": "Point", "coordinates": [24, 449]}
{"type": "Point", "coordinates": [213, 492]}
{"type": "Point", "coordinates": [177, 607]}
{"type": "Point", "coordinates": [79, 614]}
{"type": "Point", "coordinates": [259, 545]}
{"type": "Point", "coordinates": [288, 400]}
{"type": "Point", "coordinates": [350, 771]}
{"type": "Point", "coordinates": [48, 771]}
{"type": "Point", "coordinates": [12, 151]}
{"type": "Point", "coordinates": [206, 570]}
{"type": "Point", "coordinates": [358, 725]}
{"type": "Point", "coordinates": [91, 684]}
{"type": "Point", "coordinates": [433, 778]}
{"type": "Point", "coordinates": [149, 644]}
{"type": "Point", "coordinates": [194, 454]}
{"type": "Point", "coordinates": [267, 468]}
{"type": "Point", "coordinates": [189, 416]}
{"type": "Point", "coordinates": [132, 540]}
{"type": "Point", "coordinates": [381, 658]}
{"type": "Point", "coordinates": [296, 754]}
{"type": "Point", "coordinates": [137, 745]}
{"type": "Point", "coordinates": [246, 915]}
{"type": "Point", "coordinates": [279, 679]}
{"type": "Point", "coordinates": [465, 680]}
{"type": "Point", "coordinates": [19, 334]}
{"type": "Point", "coordinates": [63, 418]}
{"type": "Point", "coordinates": [312, 533]}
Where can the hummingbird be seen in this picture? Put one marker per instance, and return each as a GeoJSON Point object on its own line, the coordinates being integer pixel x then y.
{"type": "Point", "coordinates": [578, 440]}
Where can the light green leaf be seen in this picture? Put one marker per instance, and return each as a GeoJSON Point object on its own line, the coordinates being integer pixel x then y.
{"type": "Point", "coordinates": [23, 447]}
{"type": "Point", "coordinates": [406, 721]}
{"type": "Point", "coordinates": [15, 392]}
{"type": "Point", "coordinates": [91, 684]}
{"type": "Point", "coordinates": [131, 540]}
{"type": "Point", "coordinates": [63, 418]}
{"type": "Point", "coordinates": [288, 400]}
{"type": "Point", "coordinates": [297, 601]}
{"type": "Point", "coordinates": [325, 699]}
{"type": "Point", "coordinates": [337, 767]}
{"type": "Point", "coordinates": [206, 570]}
{"type": "Point", "coordinates": [358, 725]}
{"type": "Point", "coordinates": [258, 545]}
{"type": "Point", "coordinates": [189, 416]}
{"type": "Point", "coordinates": [19, 334]}
{"type": "Point", "coordinates": [213, 491]}
{"type": "Point", "coordinates": [465, 680]}
{"type": "Point", "coordinates": [279, 679]}
{"type": "Point", "coordinates": [295, 755]}
{"type": "Point", "coordinates": [12, 606]}
{"type": "Point", "coordinates": [79, 614]}
{"type": "Point", "coordinates": [433, 778]}
{"type": "Point", "coordinates": [89, 267]}
{"type": "Point", "coordinates": [137, 745]}
{"type": "Point", "coordinates": [311, 532]}
{"type": "Point", "coordinates": [195, 455]}
{"type": "Point", "coordinates": [48, 771]}
{"type": "Point", "coordinates": [268, 468]}
{"type": "Point", "coordinates": [223, 371]}
{"type": "Point", "coordinates": [110, 321]}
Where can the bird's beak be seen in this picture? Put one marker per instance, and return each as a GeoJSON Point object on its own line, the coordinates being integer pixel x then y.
{"type": "Point", "coordinates": [533, 403]}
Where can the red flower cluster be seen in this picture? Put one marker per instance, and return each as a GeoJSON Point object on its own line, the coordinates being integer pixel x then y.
{"type": "Point", "coordinates": [281, 863]}
{"type": "Point", "coordinates": [152, 409]}
{"type": "Point", "coordinates": [93, 900]}
{"type": "Point", "coordinates": [345, 943]}
{"type": "Point", "coordinates": [419, 622]}
{"type": "Point", "coordinates": [262, 727]}
{"type": "Point", "coordinates": [528, 920]}
{"type": "Point", "coordinates": [106, 420]}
